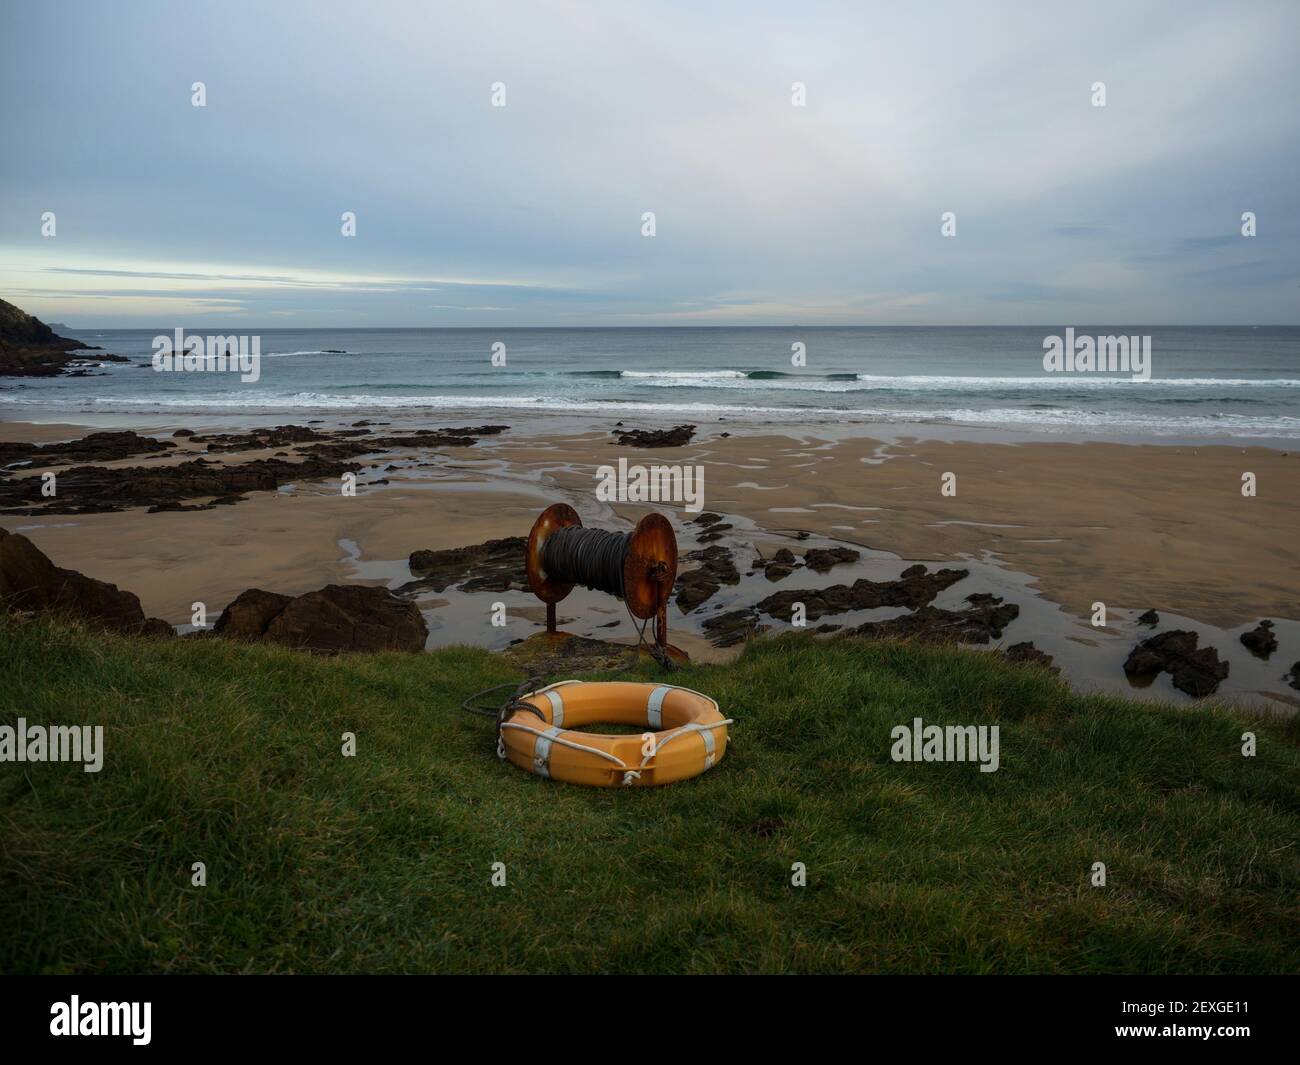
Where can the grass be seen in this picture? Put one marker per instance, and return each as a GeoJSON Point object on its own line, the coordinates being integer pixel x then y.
{"type": "Point", "coordinates": [230, 755]}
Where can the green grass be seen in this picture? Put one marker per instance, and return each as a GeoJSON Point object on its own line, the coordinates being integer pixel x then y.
{"type": "Point", "coordinates": [230, 755]}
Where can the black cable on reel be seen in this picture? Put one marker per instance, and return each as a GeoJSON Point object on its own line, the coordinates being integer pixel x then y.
{"type": "Point", "coordinates": [590, 557]}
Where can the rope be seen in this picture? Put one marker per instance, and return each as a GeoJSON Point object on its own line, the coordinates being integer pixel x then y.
{"type": "Point", "coordinates": [594, 558]}
{"type": "Point", "coordinates": [590, 557]}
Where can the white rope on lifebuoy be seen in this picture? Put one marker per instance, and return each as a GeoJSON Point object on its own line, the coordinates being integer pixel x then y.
{"type": "Point", "coordinates": [568, 743]}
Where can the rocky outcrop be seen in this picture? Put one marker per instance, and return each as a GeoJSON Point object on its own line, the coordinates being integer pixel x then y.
{"type": "Point", "coordinates": [779, 566]}
{"type": "Point", "coordinates": [977, 624]}
{"type": "Point", "coordinates": [678, 436]}
{"type": "Point", "coordinates": [821, 559]}
{"type": "Point", "coordinates": [1198, 672]}
{"type": "Point", "coordinates": [712, 527]}
{"type": "Point", "coordinates": [1293, 677]}
{"type": "Point", "coordinates": [96, 447]}
{"type": "Point", "coordinates": [29, 581]}
{"type": "Point", "coordinates": [95, 489]}
{"type": "Point", "coordinates": [915, 587]}
{"type": "Point", "coordinates": [338, 617]}
{"type": "Point", "coordinates": [700, 584]}
{"type": "Point", "coordinates": [733, 627]}
{"type": "Point", "coordinates": [1149, 618]}
{"type": "Point", "coordinates": [99, 489]}
{"type": "Point", "coordinates": [30, 348]}
{"type": "Point", "coordinates": [493, 566]}
{"type": "Point", "coordinates": [250, 614]}
{"type": "Point", "coordinates": [1260, 640]}
{"type": "Point", "coordinates": [343, 443]}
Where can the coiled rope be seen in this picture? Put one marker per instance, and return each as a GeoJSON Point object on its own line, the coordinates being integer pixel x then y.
{"type": "Point", "coordinates": [590, 557]}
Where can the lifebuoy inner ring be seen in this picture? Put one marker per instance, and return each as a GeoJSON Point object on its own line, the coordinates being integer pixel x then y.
{"type": "Point", "coordinates": [689, 733]}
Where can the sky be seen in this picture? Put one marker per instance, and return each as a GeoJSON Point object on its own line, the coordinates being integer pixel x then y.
{"type": "Point", "coordinates": [766, 213]}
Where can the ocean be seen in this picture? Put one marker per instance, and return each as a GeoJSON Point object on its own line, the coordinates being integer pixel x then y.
{"type": "Point", "coordinates": [1236, 383]}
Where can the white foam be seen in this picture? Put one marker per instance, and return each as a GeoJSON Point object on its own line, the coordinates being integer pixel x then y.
{"type": "Point", "coordinates": [1050, 420]}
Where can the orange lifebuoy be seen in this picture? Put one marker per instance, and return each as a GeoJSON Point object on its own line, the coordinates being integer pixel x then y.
{"type": "Point", "coordinates": [685, 734]}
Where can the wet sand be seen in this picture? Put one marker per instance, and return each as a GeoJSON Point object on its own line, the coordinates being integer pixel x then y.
{"type": "Point", "coordinates": [1133, 526]}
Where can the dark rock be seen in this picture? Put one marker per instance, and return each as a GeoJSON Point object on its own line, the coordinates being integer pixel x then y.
{"type": "Point", "coordinates": [775, 571]}
{"type": "Point", "coordinates": [1293, 678]}
{"type": "Point", "coordinates": [700, 584]}
{"type": "Point", "coordinates": [978, 624]}
{"type": "Point", "coordinates": [785, 555]}
{"type": "Point", "coordinates": [249, 614]}
{"type": "Point", "coordinates": [183, 432]}
{"type": "Point", "coordinates": [983, 599]}
{"type": "Point", "coordinates": [30, 581]}
{"type": "Point", "coordinates": [675, 437]}
{"type": "Point", "coordinates": [494, 566]}
{"type": "Point", "coordinates": [1196, 672]}
{"type": "Point", "coordinates": [707, 518]}
{"type": "Point", "coordinates": [96, 489]}
{"type": "Point", "coordinates": [1149, 618]}
{"type": "Point", "coordinates": [733, 627]}
{"type": "Point", "coordinates": [914, 588]}
{"type": "Point", "coordinates": [1027, 654]}
{"type": "Point", "coordinates": [97, 447]}
{"type": "Point", "coordinates": [338, 617]}
{"type": "Point", "coordinates": [1260, 640]}
{"type": "Point", "coordinates": [349, 617]}
{"type": "Point", "coordinates": [822, 559]}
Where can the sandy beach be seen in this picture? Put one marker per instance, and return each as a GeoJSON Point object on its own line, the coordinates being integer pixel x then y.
{"type": "Point", "coordinates": [1129, 525]}
{"type": "Point", "coordinates": [1136, 527]}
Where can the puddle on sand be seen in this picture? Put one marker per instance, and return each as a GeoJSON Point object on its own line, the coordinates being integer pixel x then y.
{"type": "Point", "coordinates": [1090, 659]}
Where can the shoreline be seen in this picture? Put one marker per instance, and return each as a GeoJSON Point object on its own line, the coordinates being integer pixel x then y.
{"type": "Point", "coordinates": [548, 423]}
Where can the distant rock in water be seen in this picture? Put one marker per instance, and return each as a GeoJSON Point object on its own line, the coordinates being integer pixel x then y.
{"type": "Point", "coordinates": [1149, 618]}
{"type": "Point", "coordinates": [338, 617]}
{"type": "Point", "coordinates": [30, 581]}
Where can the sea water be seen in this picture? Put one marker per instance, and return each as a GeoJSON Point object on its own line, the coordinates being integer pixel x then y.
{"type": "Point", "coordinates": [1240, 383]}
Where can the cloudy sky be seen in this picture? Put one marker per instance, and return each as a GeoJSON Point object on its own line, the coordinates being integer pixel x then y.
{"type": "Point", "coordinates": [766, 213]}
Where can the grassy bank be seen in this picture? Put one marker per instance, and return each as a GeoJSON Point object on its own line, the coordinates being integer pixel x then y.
{"type": "Point", "coordinates": [230, 755]}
